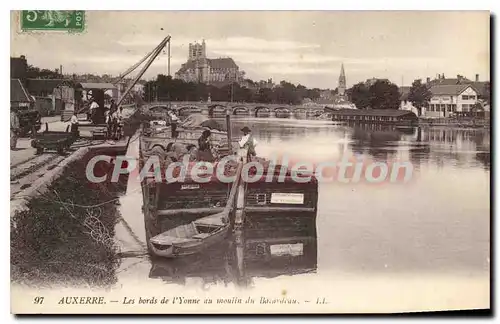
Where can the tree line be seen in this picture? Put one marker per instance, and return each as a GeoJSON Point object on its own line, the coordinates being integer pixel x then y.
{"type": "Point", "coordinates": [165, 88]}
{"type": "Point", "coordinates": [382, 94]}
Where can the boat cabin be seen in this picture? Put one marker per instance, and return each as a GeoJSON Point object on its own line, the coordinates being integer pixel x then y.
{"type": "Point", "coordinates": [379, 116]}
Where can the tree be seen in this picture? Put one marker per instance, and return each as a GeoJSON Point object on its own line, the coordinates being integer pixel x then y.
{"type": "Point", "coordinates": [477, 107]}
{"type": "Point", "coordinates": [313, 94]}
{"type": "Point", "coordinates": [265, 95]}
{"type": "Point", "coordinates": [487, 93]}
{"type": "Point", "coordinates": [419, 95]}
{"type": "Point", "coordinates": [32, 72]}
{"type": "Point", "coordinates": [165, 88]}
{"type": "Point", "coordinates": [384, 95]}
{"type": "Point", "coordinates": [360, 95]}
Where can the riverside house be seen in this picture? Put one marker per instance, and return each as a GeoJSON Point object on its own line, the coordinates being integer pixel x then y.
{"type": "Point", "coordinates": [450, 99]}
{"type": "Point", "coordinates": [450, 96]}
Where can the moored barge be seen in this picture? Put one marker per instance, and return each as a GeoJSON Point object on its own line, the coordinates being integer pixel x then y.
{"type": "Point", "coordinates": [178, 208]}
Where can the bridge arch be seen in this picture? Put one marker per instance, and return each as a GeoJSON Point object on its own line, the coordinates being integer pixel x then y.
{"type": "Point", "coordinates": [185, 111]}
{"type": "Point", "coordinates": [158, 111]}
{"type": "Point", "coordinates": [300, 110]}
{"type": "Point", "coordinates": [282, 112]}
{"type": "Point", "coordinates": [316, 112]}
{"type": "Point", "coordinates": [240, 109]}
{"type": "Point", "coordinates": [262, 108]}
{"type": "Point", "coordinates": [212, 108]}
{"type": "Point", "coordinates": [158, 107]}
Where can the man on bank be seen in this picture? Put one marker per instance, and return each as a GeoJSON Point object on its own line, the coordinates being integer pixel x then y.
{"type": "Point", "coordinates": [14, 128]}
{"type": "Point", "coordinates": [74, 124]}
{"type": "Point", "coordinates": [113, 106]}
{"type": "Point", "coordinates": [119, 127]}
{"type": "Point", "coordinates": [93, 109]}
{"type": "Point", "coordinates": [248, 142]}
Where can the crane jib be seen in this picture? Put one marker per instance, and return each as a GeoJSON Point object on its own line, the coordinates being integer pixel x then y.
{"type": "Point", "coordinates": [152, 56]}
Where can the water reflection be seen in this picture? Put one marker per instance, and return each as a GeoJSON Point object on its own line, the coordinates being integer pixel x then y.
{"type": "Point", "coordinates": [379, 141]}
{"type": "Point", "coordinates": [268, 246]}
{"type": "Point", "coordinates": [461, 147]}
{"type": "Point", "coordinates": [439, 223]}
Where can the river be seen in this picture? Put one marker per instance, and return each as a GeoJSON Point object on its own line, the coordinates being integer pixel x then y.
{"type": "Point", "coordinates": [372, 247]}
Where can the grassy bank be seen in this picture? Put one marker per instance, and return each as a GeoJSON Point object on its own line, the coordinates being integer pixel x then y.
{"type": "Point", "coordinates": [66, 234]}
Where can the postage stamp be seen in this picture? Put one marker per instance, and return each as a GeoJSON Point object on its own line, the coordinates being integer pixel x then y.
{"type": "Point", "coordinates": [175, 162]}
{"type": "Point", "coordinates": [53, 20]}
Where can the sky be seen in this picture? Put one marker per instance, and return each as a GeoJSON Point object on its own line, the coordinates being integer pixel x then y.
{"type": "Point", "coordinates": [306, 47]}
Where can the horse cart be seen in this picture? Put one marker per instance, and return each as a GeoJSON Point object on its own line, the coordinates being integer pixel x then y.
{"type": "Point", "coordinates": [53, 140]}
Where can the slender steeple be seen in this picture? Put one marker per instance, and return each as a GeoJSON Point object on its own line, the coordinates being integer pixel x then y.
{"type": "Point", "coordinates": [342, 83]}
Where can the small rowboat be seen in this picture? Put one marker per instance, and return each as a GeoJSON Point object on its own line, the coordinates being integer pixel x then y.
{"type": "Point", "coordinates": [191, 238]}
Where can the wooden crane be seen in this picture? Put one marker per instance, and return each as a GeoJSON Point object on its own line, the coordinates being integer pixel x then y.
{"type": "Point", "coordinates": [150, 57]}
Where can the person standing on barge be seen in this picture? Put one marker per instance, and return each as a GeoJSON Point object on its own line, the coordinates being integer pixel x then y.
{"type": "Point", "coordinates": [248, 142]}
{"type": "Point", "coordinates": [205, 147]}
{"type": "Point", "coordinates": [173, 123]}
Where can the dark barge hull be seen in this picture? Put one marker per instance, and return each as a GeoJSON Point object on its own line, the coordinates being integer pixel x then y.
{"type": "Point", "coordinates": [167, 205]}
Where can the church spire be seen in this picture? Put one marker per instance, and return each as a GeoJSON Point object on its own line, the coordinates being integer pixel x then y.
{"type": "Point", "coordinates": [342, 82]}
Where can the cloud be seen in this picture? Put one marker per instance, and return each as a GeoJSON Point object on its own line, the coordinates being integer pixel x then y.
{"type": "Point", "coordinates": [268, 56]}
{"type": "Point", "coordinates": [257, 44]}
{"type": "Point", "coordinates": [151, 42]}
{"type": "Point", "coordinates": [222, 44]}
{"type": "Point", "coordinates": [122, 60]}
{"type": "Point", "coordinates": [297, 70]}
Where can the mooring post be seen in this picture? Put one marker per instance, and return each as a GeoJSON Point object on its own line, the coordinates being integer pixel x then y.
{"type": "Point", "coordinates": [240, 201]}
{"type": "Point", "coordinates": [229, 132]}
{"type": "Point", "coordinates": [240, 253]}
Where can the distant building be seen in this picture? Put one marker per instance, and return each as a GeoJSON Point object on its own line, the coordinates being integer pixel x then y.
{"type": "Point", "coordinates": [47, 100]}
{"type": "Point", "coordinates": [342, 82]}
{"type": "Point", "coordinates": [263, 84]}
{"type": "Point", "coordinates": [42, 87]}
{"type": "Point", "coordinates": [199, 68]}
{"type": "Point", "coordinates": [197, 51]}
{"type": "Point", "coordinates": [256, 85]}
{"type": "Point", "coordinates": [483, 87]}
{"type": "Point", "coordinates": [326, 96]}
{"type": "Point", "coordinates": [448, 97]}
{"type": "Point", "coordinates": [18, 68]}
{"type": "Point", "coordinates": [404, 92]}
{"type": "Point", "coordinates": [339, 99]}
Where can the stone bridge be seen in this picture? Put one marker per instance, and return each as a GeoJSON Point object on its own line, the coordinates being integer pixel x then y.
{"type": "Point", "coordinates": [219, 109]}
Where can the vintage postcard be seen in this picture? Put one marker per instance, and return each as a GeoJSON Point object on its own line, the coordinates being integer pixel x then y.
{"type": "Point", "coordinates": [182, 162]}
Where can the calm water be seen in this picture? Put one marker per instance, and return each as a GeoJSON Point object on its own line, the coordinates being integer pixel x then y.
{"type": "Point", "coordinates": [436, 224]}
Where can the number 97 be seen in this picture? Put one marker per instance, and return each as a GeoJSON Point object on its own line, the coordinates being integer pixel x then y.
{"type": "Point", "coordinates": [38, 300]}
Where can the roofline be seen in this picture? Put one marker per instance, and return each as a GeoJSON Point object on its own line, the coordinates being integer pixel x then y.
{"type": "Point", "coordinates": [473, 88]}
{"type": "Point", "coordinates": [466, 86]}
